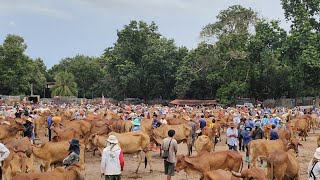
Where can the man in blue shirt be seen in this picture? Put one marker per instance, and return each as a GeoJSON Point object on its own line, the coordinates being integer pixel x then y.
{"type": "Point", "coordinates": [273, 134]}
{"type": "Point", "coordinates": [49, 122]}
{"type": "Point", "coordinates": [156, 123]}
{"type": "Point", "coordinates": [202, 124]}
{"type": "Point", "coordinates": [264, 120]}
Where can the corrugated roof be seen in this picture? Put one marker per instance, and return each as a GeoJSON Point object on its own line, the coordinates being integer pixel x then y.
{"type": "Point", "coordinates": [193, 102]}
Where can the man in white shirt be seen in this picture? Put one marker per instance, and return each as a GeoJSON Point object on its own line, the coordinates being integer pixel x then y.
{"type": "Point", "coordinates": [232, 134]}
{"type": "Point", "coordinates": [4, 153]}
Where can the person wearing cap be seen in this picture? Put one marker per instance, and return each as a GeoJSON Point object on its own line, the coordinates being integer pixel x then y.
{"type": "Point", "coordinates": [232, 135]}
{"type": "Point", "coordinates": [136, 126]}
{"type": "Point", "coordinates": [314, 166]}
{"type": "Point", "coordinates": [258, 132]}
{"type": "Point", "coordinates": [246, 140]}
{"type": "Point", "coordinates": [74, 153]}
{"type": "Point", "coordinates": [112, 162]}
{"type": "Point", "coordinates": [4, 153]}
{"type": "Point", "coordinates": [171, 145]}
{"type": "Point", "coordinates": [29, 129]}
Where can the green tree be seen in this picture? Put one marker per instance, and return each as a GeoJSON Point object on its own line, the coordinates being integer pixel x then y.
{"type": "Point", "coordinates": [87, 72]}
{"type": "Point", "coordinates": [17, 70]}
{"type": "Point", "coordinates": [65, 85]}
{"type": "Point", "coordinates": [142, 63]}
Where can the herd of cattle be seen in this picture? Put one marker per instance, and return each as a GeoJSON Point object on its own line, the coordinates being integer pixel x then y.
{"type": "Point", "coordinates": [93, 130]}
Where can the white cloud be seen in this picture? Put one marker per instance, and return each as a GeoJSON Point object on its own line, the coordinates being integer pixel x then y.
{"type": "Point", "coordinates": [37, 7]}
{"type": "Point", "coordinates": [12, 24]}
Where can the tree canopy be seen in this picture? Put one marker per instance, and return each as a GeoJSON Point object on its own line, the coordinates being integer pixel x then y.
{"type": "Point", "coordinates": [240, 55]}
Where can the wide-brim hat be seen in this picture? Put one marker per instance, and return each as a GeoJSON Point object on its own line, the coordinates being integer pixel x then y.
{"type": "Point", "coordinates": [74, 142]}
{"type": "Point", "coordinates": [317, 154]}
{"type": "Point", "coordinates": [30, 119]}
{"type": "Point", "coordinates": [136, 122]}
{"type": "Point", "coordinates": [112, 139]}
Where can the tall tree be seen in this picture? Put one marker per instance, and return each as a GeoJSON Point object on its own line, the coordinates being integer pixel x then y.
{"type": "Point", "coordinates": [65, 85]}
{"type": "Point", "coordinates": [18, 71]}
{"type": "Point", "coordinates": [142, 63]}
{"type": "Point", "coordinates": [87, 72]}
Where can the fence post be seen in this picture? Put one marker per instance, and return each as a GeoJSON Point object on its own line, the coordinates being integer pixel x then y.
{"type": "Point", "coordinates": [317, 102]}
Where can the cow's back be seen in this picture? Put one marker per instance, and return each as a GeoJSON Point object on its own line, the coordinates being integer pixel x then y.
{"type": "Point", "coordinates": [132, 142]}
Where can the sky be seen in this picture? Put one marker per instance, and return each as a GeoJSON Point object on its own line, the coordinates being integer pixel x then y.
{"type": "Point", "coordinates": [56, 29]}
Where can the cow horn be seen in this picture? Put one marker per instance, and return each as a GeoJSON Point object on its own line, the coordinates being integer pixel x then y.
{"type": "Point", "coordinates": [236, 174]}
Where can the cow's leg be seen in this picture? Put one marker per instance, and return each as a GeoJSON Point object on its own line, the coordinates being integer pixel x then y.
{"type": "Point", "coordinates": [148, 158]}
{"type": "Point", "coordinates": [140, 161]}
{"type": "Point", "coordinates": [46, 166]}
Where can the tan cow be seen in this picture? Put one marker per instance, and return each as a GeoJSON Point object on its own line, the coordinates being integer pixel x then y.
{"type": "Point", "coordinates": [203, 143]}
{"type": "Point", "coordinates": [219, 174]}
{"type": "Point", "coordinates": [19, 163]}
{"type": "Point", "coordinates": [64, 134]}
{"type": "Point", "coordinates": [250, 174]}
{"type": "Point", "coordinates": [10, 131]}
{"type": "Point", "coordinates": [73, 172]}
{"type": "Point", "coordinates": [83, 127]}
{"type": "Point", "coordinates": [302, 128]}
{"type": "Point", "coordinates": [183, 132]}
{"type": "Point", "coordinates": [49, 153]}
{"type": "Point", "coordinates": [130, 143]}
{"type": "Point", "coordinates": [205, 162]}
{"type": "Point", "coordinates": [263, 148]}
{"type": "Point", "coordinates": [283, 164]}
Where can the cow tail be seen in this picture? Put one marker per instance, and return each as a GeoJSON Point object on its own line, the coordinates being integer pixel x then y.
{"type": "Point", "coordinates": [145, 162]}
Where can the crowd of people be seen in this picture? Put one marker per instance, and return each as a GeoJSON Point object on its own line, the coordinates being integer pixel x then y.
{"type": "Point", "coordinates": [241, 131]}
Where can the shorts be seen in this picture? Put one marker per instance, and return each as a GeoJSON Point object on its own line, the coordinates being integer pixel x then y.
{"type": "Point", "coordinates": [169, 168]}
{"type": "Point", "coordinates": [113, 177]}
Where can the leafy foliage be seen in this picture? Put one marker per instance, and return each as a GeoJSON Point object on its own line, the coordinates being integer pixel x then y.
{"type": "Point", "coordinates": [65, 85]}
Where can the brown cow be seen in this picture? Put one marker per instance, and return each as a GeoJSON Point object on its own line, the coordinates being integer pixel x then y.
{"type": "Point", "coordinates": [176, 121]}
{"type": "Point", "coordinates": [10, 131]}
{"type": "Point", "coordinates": [49, 153]}
{"type": "Point", "coordinates": [70, 173]}
{"type": "Point", "coordinates": [19, 163]}
{"type": "Point", "coordinates": [250, 174]}
{"type": "Point", "coordinates": [204, 162]}
{"type": "Point", "coordinates": [285, 134]}
{"type": "Point", "coordinates": [263, 148]}
{"type": "Point", "coordinates": [203, 143]}
{"type": "Point", "coordinates": [302, 128]}
{"type": "Point", "coordinates": [64, 134]}
{"type": "Point", "coordinates": [283, 164]}
{"type": "Point", "coordinates": [219, 174]}
{"type": "Point", "coordinates": [83, 127]}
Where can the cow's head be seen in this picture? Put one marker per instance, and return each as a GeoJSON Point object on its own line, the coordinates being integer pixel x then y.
{"type": "Point", "coordinates": [91, 142]}
{"type": "Point", "coordinates": [294, 144]}
{"type": "Point", "coordinates": [181, 163]}
{"type": "Point", "coordinates": [18, 164]}
{"type": "Point", "coordinates": [251, 174]}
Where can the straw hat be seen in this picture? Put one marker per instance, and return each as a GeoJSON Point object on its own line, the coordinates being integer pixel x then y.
{"type": "Point", "coordinates": [112, 139]}
{"type": "Point", "coordinates": [317, 153]}
{"type": "Point", "coordinates": [30, 120]}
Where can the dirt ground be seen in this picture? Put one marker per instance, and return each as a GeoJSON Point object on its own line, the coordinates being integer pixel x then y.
{"type": "Point", "coordinates": [93, 162]}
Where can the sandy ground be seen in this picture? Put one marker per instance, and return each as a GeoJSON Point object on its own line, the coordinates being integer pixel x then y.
{"type": "Point", "coordinates": [93, 162]}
